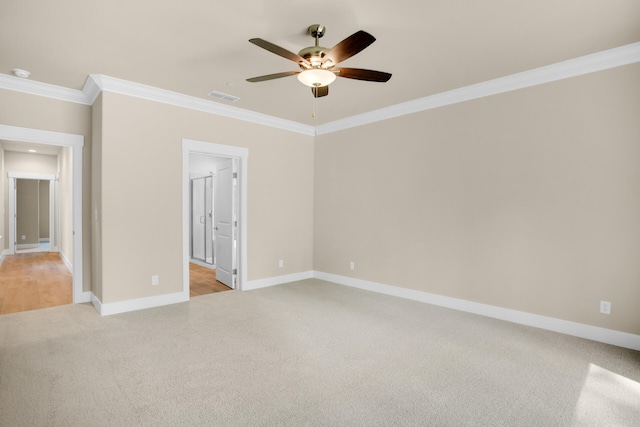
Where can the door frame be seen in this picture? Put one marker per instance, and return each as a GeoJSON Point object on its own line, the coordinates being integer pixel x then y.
{"type": "Point", "coordinates": [241, 155]}
{"type": "Point", "coordinates": [76, 142]}
{"type": "Point", "coordinates": [13, 192]}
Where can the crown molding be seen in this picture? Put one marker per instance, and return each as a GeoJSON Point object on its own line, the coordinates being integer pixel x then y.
{"type": "Point", "coordinates": [150, 93]}
{"type": "Point", "coordinates": [604, 60]}
{"type": "Point", "coordinates": [96, 83]}
{"type": "Point", "coordinates": [47, 90]}
{"type": "Point", "coordinates": [91, 89]}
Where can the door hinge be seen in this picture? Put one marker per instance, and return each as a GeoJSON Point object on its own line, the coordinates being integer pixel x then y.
{"type": "Point", "coordinates": [235, 271]}
{"type": "Point", "coordinates": [235, 175]}
{"type": "Point", "coordinates": [235, 223]}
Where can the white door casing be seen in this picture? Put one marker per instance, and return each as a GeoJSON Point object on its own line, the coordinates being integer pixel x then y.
{"type": "Point", "coordinates": [241, 156]}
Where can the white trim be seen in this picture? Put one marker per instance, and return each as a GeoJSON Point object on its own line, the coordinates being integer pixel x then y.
{"type": "Point", "coordinates": [278, 280]}
{"type": "Point", "coordinates": [52, 214]}
{"type": "Point", "coordinates": [608, 336]}
{"type": "Point", "coordinates": [37, 176]}
{"type": "Point", "coordinates": [136, 304]}
{"type": "Point", "coordinates": [84, 297]}
{"type": "Point", "coordinates": [138, 90]}
{"type": "Point", "coordinates": [66, 261]}
{"type": "Point", "coordinates": [22, 246]}
{"type": "Point", "coordinates": [240, 153]}
{"type": "Point", "coordinates": [76, 142]}
{"type": "Point", "coordinates": [15, 133]}
{"type": "Point", "coordinates": [12, 215]}
{"type": "Point", "coordinates": [96, 83]}
{"type": "Point", "coordinates": [202, 263]}
{"type": "Point", "coordinates": [47, 90]}
{"type": "Point", "coordinates": [604, 60]}
{"type": "Point", "coordinates": [91, 89]}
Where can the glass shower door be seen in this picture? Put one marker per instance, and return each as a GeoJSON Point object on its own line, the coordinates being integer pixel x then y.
{"type": "Point", "coordinates": [202, 219]}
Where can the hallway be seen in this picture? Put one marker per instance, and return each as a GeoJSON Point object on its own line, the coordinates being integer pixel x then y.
{"type": "Point", "coordinates": [31, 281]}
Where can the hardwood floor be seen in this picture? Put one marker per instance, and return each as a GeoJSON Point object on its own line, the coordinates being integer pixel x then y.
{"type": "Point", "coordinates": [202, 281]}
{"type": "Point", "coordinates": [31, 281]}
{"type": "Point", "coordinates": [34, 280]}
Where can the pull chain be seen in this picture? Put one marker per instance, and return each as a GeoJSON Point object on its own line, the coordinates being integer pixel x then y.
{"type": "Point", "coordinates": [314, 107]}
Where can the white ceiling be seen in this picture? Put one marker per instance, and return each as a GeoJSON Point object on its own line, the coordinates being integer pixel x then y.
{"type": "Point", "coordinates": [196, 46]}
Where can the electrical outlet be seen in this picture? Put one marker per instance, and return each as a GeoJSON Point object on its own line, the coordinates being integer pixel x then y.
{"type": "Point", "coordinates": [24, 237]}
{"type": "Point", "coordinates": [281, 263]}
{"type": "Point", "coordinates": [155, 281]}
{"type": "Point", "coordinates": [352, 265]}
{"type": "Point", "coordinates": [605, 307]}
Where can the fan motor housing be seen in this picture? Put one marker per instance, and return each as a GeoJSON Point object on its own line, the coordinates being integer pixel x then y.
{"type": "Point", "coordinates": [313, 54]}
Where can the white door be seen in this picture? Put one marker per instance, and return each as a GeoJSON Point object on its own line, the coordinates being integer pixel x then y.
{"type": "Point", "coordinates": [224, 223]}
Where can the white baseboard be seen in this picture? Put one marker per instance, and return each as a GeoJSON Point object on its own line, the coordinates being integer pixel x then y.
{"type": "Point", "coordinates": [278, 280]}
{"type": "Point", "coordinates": [43, 239]}
{"type": "Point", "coordinates": [27, 246]}
{"type": "Point", "coordinates": [202, 263]}
{"type": "Point", "coordinates": [137, 304]}
{"type": "Point", "coordinates": [608, 336]}
{"type": "Point", "coordinates": [66, 261]}
{"type": "Point", "coordinates": [83, 298]}
{"type": "Point", "coordinates": [3, 253]}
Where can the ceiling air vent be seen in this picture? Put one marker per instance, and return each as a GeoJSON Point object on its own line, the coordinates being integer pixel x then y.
{"type": "Point", "coordinates": [223, 96]}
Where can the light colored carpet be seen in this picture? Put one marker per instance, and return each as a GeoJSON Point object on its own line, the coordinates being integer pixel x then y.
{"type": "Point", "coordinates": [306, 353]}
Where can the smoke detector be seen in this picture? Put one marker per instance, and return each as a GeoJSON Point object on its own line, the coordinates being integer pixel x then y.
{"type": "Point", "coordinates": [21, 73]}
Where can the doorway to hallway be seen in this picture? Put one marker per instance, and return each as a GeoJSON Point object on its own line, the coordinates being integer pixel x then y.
{"type": "Point", "coordinates": [70, 167]}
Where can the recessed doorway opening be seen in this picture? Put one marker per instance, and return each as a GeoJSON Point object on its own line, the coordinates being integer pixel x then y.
{"type": "Point", "coordinates": [67, 237]}
{"type": "Point", "coordinates": [214, 217]}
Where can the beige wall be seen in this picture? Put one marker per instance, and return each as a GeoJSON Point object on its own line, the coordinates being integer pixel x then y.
{"type": "Point", "coordinates": [30, 163]}
{"type": "Point", "coordinates": [141, 194]}
{"type": "Point", "coordinates": [43, 209]}
{"type": "Point", "coordinates": [96, 198]}
{"type": "Point", "coordinates": [526, 200]}
{"type": "Point", "coordinates": [30, 111]}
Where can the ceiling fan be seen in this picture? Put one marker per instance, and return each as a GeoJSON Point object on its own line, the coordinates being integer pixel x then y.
{"type": "Point", "coordinates": [318, 64]}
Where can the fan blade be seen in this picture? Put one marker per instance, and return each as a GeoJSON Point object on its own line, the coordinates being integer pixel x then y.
{"type": "Point", "coordinates": [272, 76]}
{"type": "Point", "coordinates": [360, 74]}
{"type": "Point", "coordinates": [281, 51]}
{"type": "Point", "coordinates": [348, 47]}
{"type": "Point", "coordinates": [320, 91]}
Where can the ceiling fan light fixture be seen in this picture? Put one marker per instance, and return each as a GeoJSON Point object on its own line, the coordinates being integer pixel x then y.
{"type": "Point", "coordinates": [316, 77]}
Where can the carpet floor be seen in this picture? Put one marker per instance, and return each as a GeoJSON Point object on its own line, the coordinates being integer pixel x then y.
{"type": "Point", "coordinates": [306, 353]}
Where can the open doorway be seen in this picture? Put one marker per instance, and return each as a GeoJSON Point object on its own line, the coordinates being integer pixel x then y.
{"type": "Point", "coordinates": [68, 240]}
{"type": "Point", "coordinates": [213, 204]}
{"type": "Point", "coordinates": [34, 273]}
{"type": "Point", "coordinates": [214, 212]}
{"type": "Point", "coordinates": [32, 199]}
